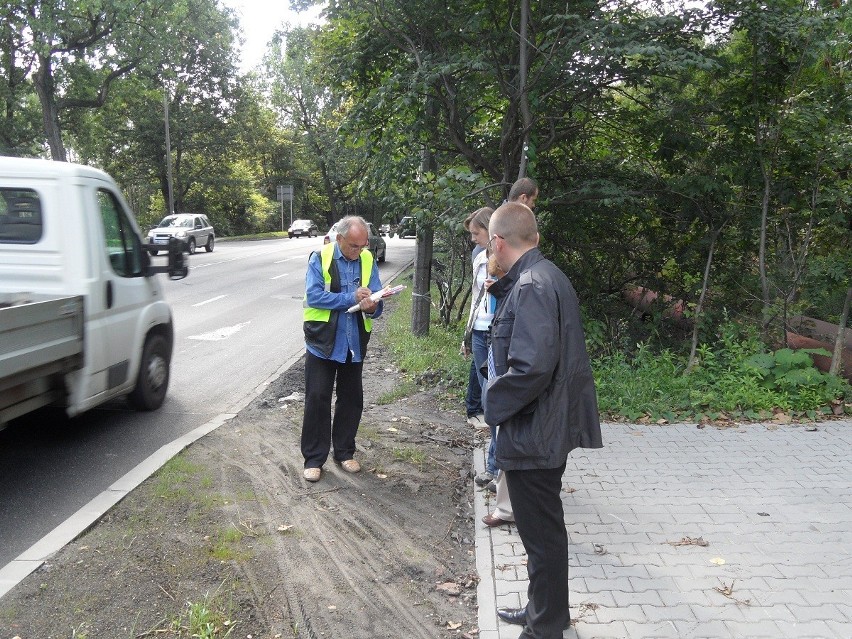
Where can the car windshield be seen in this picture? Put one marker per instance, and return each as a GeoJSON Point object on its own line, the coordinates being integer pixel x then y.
{"type": "Point", "coordinates": [175, 222]}
{"type": "Point", "coordinates": [301, 223]}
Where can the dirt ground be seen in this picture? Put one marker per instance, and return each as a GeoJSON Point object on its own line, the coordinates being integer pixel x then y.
{"type": "Point", "coordinates": [229, 540]}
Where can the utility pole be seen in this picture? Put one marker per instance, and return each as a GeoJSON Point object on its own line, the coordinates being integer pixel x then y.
{"type": "Point", "coordinates": [169, 187]}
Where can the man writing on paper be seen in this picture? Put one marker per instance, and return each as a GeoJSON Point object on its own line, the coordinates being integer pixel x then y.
{"type": "Point", "coordinates": [336, 343]}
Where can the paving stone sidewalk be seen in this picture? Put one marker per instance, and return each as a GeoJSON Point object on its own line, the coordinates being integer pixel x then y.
{"type": "Point", "coordinates": [772, 503]}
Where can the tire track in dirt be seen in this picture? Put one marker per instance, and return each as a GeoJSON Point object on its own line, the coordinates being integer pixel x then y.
{"type": "Point", "coordinates": [346, 566]}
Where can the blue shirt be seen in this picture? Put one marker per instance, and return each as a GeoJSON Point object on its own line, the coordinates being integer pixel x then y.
{"type": "Point", "coordinates": [347, 339]}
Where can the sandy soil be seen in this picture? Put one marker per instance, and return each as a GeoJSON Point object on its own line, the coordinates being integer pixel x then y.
{"type": "Point", "coordinates": [230, 534]}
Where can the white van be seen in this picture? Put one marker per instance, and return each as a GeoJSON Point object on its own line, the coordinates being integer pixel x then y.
{"type": "Point", "coordinates": [82, 317]}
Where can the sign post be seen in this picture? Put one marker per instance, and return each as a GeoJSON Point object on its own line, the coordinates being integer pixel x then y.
{"type": "Point", "coordinates": [285, 192]}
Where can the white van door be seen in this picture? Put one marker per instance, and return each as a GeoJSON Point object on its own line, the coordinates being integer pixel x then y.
{"type": "Point", "coordinates": [126, 291]}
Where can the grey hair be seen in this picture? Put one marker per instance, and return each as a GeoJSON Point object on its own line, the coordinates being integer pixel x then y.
{"type": "Point", "coordinates": [346, 223]}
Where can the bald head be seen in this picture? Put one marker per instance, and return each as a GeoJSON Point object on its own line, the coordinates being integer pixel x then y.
{"type": "Point", "coordinates": [516, 224]}
{"type": "Point", "coordinates": [513, 231]}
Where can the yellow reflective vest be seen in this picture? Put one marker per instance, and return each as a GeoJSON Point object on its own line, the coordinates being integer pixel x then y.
{"type": "Point", "coordinates": [320, 324]}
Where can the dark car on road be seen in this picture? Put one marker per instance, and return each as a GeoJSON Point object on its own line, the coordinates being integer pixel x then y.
{"type": "Point", "coordinates": [407, 227]}
{"type": "Point", "coordinates": [376, 244]}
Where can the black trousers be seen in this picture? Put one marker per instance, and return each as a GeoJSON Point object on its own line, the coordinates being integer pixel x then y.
{"type": "Point", "coordinates": [537, 504]}
{"type": "Point", "coordinates": [318, 431]}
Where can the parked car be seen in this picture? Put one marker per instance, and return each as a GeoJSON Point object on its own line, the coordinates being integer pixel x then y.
{"type": "Point", "coordinates": [407, 227]}
{"type": "Point", "coordinates": [193, 229]}
{"type": "Point", "coordinates": [377, 244]}
{"type": "Point", "coordinates": [306, 228]}
{"type": "Point", "coordinates": [385, 230]}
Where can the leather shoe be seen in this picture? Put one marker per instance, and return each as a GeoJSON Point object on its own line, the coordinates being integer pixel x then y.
{"type": "Point", "coordinates": [312, 474]}
{"type": "Point", "coordinates": [483, 479]}
{"type": "Point", "coordinates": [518, 616]}
{"type": "Point", "coordinates": [351, 465]}
{"type": "Point", "coordinates": [491, 520]}
{"type": "Point", "coordinates": [513, 615]}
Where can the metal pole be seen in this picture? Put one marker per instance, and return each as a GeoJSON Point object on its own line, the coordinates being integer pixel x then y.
{"type": "Point", "coordinates": [171, 202]}
{"type": "Point", "coordinates": [281, 204]}
{"type": "Point", "coordinates": [291, 206]}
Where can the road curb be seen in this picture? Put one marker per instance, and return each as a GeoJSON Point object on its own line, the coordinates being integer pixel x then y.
{"type": "Point", "coordinates": [31, 559]}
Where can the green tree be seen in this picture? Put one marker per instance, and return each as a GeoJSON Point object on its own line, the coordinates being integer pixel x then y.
{"type": "Point", "coordinates": [19, 133]}
{"type": "Point", "coordinates": [78, 49]}
{"type": "Point", "coordinates": [301, 95]}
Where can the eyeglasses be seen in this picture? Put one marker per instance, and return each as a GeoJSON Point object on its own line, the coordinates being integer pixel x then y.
{"type": "Point", "coordinates": [356, 247]}
{"type": "Point", "coordinates": [488, 246]}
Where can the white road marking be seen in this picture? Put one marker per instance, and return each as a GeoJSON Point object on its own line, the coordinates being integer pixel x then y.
{"type": "Point", "coordinates": [212, 299]}
{"type": "Point", "coordinates": [279, 276]}
{"type": "Point", "coordinates": [219, 334]}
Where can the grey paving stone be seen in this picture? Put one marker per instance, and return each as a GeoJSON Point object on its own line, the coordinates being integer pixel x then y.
{"type": "Point", "coordinates": [654, 614]}
{"type": "Point", "coordinates": [774, 502]}
{"type": "Point", "coordinates": [612, 630]}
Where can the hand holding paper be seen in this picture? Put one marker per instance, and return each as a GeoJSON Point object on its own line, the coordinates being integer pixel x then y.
{"type": "Point", "coordinates": [387, 291]}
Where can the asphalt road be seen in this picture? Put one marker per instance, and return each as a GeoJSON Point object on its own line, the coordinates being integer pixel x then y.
{"type": "Point", "coordinates": [237, 326]}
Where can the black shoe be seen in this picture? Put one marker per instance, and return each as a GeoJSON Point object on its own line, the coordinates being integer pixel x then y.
{"type": "Point", "coordinates": [482, 479]}
{"type": "Point", "coordinates": [518, 616]}
{"type": "Point", "coordinates": [513, 615]}
{"type": "Point", "coordinates": [492, 487]}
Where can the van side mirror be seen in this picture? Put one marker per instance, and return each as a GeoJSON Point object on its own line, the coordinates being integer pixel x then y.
{"type": "Point", "coordinates": [176, 267]}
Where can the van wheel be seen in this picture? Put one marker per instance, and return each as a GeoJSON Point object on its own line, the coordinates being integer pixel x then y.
{"type": "Point", "coordinates": [153, 252]}
{"type": "Point", "coordinates": [190, 246]}
{"type": "Point", "coordinates": [209, 246]}
{"type": "Point", "coordinates": [153, 378]}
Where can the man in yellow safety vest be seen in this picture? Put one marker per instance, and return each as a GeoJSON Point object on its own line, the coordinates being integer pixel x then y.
{"type": "Point", "coordinates": [339, 277]}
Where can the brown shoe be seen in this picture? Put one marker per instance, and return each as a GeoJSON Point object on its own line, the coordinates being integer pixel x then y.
{"type": "Point", "coordinates": [312, 474]}
{"type": "Point", "coordinates": [492, 521]}
{"type": "Point", "coordinates": [351, 466]}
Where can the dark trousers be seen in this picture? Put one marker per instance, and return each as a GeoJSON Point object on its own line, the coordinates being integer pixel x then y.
{"type": "Point", "coordinates": [473, 399]}
{"type": "Point", "coordinates": [318, 431]}
{"type": "Point", "coordinates": [537, 505]}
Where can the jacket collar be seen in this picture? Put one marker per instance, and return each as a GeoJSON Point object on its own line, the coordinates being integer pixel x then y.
{"type": "Point", "coordinates": [502, 286]}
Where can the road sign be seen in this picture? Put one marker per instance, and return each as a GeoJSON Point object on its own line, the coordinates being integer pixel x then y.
{"type": "Point", "coordinates": [285, 192]}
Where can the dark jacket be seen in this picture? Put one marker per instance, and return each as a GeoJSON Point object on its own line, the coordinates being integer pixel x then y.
{"type": "Point", "coordinates": [543, 394]}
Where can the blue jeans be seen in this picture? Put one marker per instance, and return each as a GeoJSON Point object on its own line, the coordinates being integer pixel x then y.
{"type": "Point", "coordinates": [479, 346]}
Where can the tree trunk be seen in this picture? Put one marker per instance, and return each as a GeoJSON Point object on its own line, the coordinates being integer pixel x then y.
{"type": "Point", "coordinates": [421, 295]}
{"type": "Point", "coordinates": [523, 96]}
{"type": "Point", "coordinates": [421, 300]}
{"type": "Point", "coordinates": [764, 221]}
{"type": "Point", "coordinates": [700, 306]}
{"type": "Point", "coordinates": [46, 90]}
{"type": "Point", "coordinates": [834, 369]}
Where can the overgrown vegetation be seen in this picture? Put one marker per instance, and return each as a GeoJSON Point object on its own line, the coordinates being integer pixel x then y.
{"type": "Point", "coordinates": [699, 150]}
{"type": "Point", "coordinates": [432, 360]}
{"type": "Point", "coordinates": [737, 377]}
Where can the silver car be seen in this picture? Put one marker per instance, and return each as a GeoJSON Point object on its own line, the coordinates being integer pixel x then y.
{"type": "Point", "coordinates": [193, 229]}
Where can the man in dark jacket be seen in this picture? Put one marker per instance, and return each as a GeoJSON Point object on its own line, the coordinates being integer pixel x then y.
{"type": "Point", "coordinates": [541, 393]}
